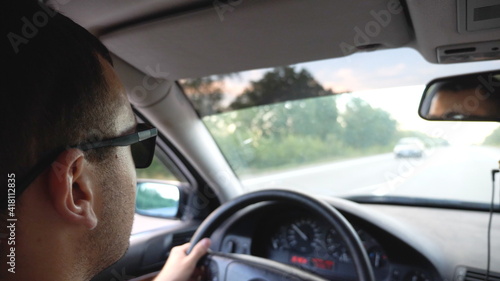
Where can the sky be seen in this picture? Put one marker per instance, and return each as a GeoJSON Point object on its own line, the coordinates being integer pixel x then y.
{"type": "Point", "coordinates": [371, 70]}
{"type": "Point", "coordinates": [402, 103]}
{"type": "Point", "coordinates": [392, 80]}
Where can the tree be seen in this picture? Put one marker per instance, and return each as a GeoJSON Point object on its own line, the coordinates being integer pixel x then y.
{"type": "Point", "coordinates": [296, 108]}
{"type": "Point", "coordinates": [148, 198]}
{"type": "Point", "coordinates": [279, 85]}
{"type": "Point", "coordinates": [316, 117]}
{"type": "Point", "coordinates": [205, 94]}
{"type": "Point", "coordinates": [493, 138]}
{"type": "Point", "coordinates": [366, 126]}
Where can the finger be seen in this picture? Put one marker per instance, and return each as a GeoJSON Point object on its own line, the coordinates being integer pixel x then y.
{"type": "Point", "coordinates": [200, 249]}
{"type": "Point", "coordinates": [184, 247]}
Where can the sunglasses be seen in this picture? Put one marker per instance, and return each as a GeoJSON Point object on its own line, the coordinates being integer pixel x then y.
{"type": "Point", "coordinates": [142, 145]}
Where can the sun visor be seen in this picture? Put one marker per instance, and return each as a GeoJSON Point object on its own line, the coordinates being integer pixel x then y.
{"type": "Point", "coordinates": [248, 34]}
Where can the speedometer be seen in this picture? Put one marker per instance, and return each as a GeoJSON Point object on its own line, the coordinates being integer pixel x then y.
{"type": "Point", "coordinates": [303, 235]}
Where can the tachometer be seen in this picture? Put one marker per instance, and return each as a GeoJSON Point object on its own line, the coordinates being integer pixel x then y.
{"type": "Point", "coordinates": [416, 275]}
{"type": "Point", "coordinates": [336, 247]}
{"type": "Point", "coordinates": [377, 257]}
{"type": "Point", "coordinates": [376, 254]}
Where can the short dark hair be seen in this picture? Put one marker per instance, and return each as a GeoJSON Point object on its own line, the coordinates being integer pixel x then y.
{"type": "Point", "coordinates": [54, 93]}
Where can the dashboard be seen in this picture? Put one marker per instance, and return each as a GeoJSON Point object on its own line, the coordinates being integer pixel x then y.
{"type": "Point", "coordinates": [296, 237]}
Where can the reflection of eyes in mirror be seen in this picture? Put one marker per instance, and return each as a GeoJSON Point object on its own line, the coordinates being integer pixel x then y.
{"type": "Point", "coordinates": [464, 103]}
{"type": "Point", "coordinates": [464, 97]}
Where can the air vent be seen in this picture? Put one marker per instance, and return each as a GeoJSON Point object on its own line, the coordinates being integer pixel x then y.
{"type": "Point", "coordinates": [473, 274]}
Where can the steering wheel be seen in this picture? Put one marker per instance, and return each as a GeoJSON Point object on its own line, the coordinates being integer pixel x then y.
{"type": "Point", "coordinates": [236, 267]}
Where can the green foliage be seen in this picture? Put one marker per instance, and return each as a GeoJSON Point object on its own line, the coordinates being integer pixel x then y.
{"type": "Point", "coordinates": [493, 139]}
{"type": "Point", "coordinates": [205, 94]}
{"type": "Point", "coordinates": [297, 133]}
{"type": "Point", "coordinates": [366, 126]}
{"type": "Point", "coordinates": [288, 119]}
{"type": "Point", "coordinates": [149, 198]}
{"type": "Point", "coordinates": [156, 171]}
{"type": "Point", "coordinates": [290, 150]}
{"type": "Point", "coordinates": [279, 85]}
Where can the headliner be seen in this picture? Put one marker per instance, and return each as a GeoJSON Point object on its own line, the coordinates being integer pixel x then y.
{"type": "Point", "coordinates": [192, 38]}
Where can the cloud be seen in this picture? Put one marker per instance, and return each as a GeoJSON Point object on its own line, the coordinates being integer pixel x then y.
{"type": "Point", "coordinates": [234, 87]}
{"type": "Point", "coordinates": [342, 80]}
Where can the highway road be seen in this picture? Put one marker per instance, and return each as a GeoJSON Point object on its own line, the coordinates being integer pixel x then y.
{"type": "Point", "coordinates": [453, 172]}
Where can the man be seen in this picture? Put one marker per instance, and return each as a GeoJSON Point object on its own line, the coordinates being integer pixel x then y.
{"type": "Point", "coordinates": [67, 204]}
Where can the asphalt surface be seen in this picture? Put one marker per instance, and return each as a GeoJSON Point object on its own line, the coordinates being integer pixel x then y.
{"type": "Point", "coordinates": [453, 172]}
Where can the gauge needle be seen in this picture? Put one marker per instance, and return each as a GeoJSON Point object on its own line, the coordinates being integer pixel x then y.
{"type": "Point", "coordinates": [302, 234]}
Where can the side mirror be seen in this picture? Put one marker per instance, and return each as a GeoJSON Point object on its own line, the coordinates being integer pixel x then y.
{"type": "Point", "coordinates": [471, 97]}
{"type": "Point", "coordinates": [157, 199]}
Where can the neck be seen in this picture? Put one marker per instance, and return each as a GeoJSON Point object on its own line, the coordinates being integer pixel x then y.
{"type": "Point", "coordinates": [38, 253]}
{"type": "Point", "coordinates": [19, 263]}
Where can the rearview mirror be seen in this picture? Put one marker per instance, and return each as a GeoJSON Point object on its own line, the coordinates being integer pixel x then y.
{"type": "Point", "coordinates": [157, 199]}
{"type": "Point", "coordinates": [471, 97]}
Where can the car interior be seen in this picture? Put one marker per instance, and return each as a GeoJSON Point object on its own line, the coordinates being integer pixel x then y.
{"type": "Point", "coordinates": [265, 222]}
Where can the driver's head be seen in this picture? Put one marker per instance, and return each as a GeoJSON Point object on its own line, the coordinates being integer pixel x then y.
{"type": "Point", "coordinates": [59, 89]}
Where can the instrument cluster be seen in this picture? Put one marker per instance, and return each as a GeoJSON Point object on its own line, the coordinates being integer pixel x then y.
{"type": "Point", "coordinates": [312, 245]}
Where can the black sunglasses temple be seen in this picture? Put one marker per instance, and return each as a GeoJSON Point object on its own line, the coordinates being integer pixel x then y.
{"type": "Point", "coordinates": [143, 136]}
{"type": "Point", "coordinates": [37, 170]}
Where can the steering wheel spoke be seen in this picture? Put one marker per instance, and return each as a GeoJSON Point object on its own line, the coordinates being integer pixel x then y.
{"type": "Point", "coordinates": [237, 267]}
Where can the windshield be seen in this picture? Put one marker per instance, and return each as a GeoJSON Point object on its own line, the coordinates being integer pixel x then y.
{"type": "Point", "coordinates": [348, 127]}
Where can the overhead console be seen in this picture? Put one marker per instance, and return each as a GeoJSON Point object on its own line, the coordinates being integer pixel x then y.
{"type": "Point", "coordinates": [444, 30]}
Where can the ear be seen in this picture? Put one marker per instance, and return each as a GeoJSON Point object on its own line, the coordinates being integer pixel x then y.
{"type": "Point", "coordinates": [72, 188]}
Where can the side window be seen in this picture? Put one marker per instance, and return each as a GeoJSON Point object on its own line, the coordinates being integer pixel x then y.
{"type": "Point", "coordinates": [157, 199]}
{"type": "Point", "coordinates": [161, 168]}
{"type": "Point", "coordinates": [157, 171]}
